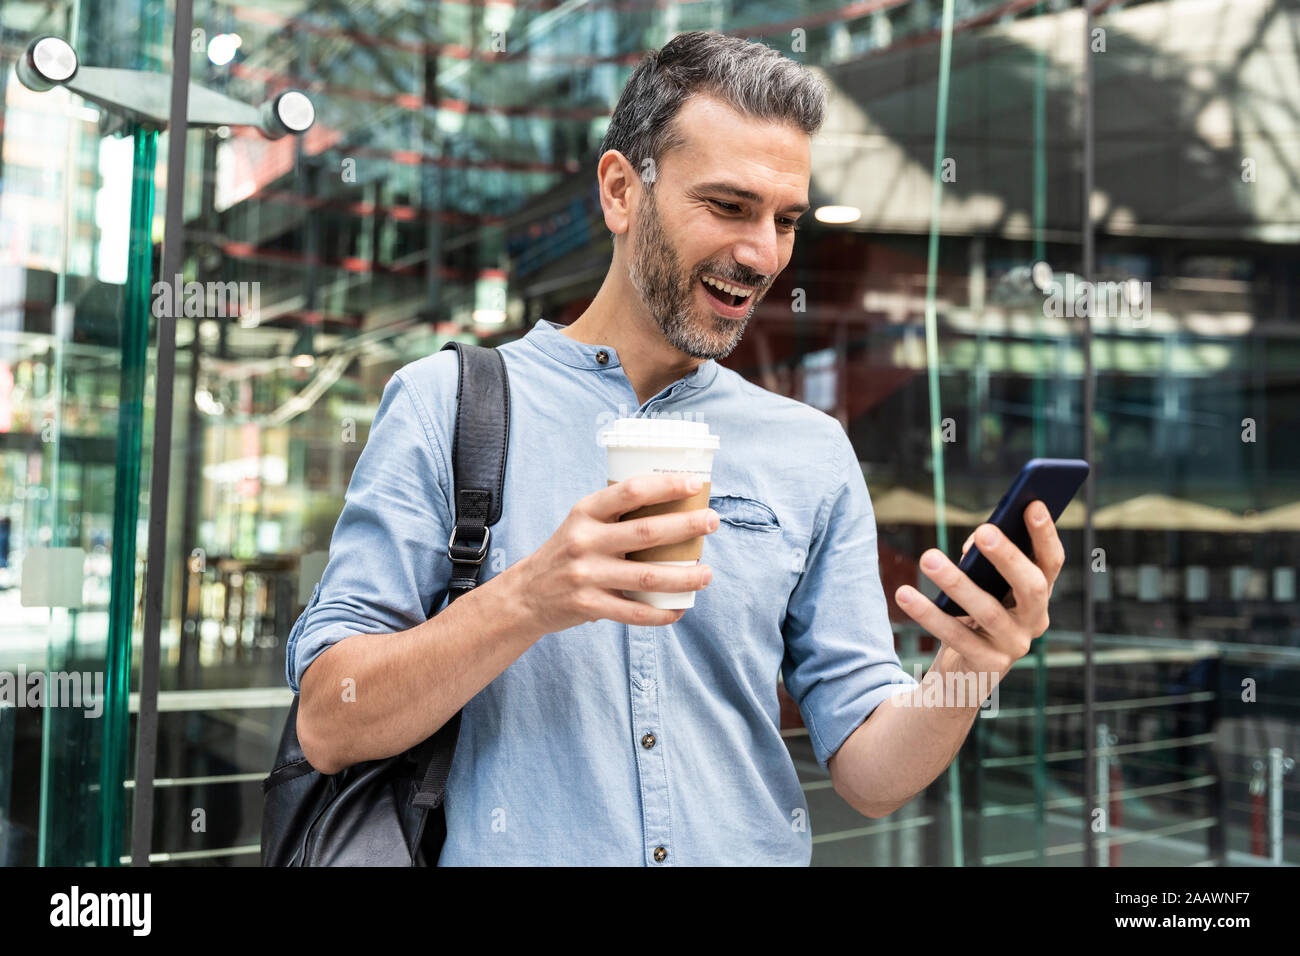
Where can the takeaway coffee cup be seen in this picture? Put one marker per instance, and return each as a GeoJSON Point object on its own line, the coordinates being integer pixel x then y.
{"type": "Point", "coordinates": [654, 446]}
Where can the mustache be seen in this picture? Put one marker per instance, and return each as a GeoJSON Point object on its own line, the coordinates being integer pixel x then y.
{"type": "Point", "coordinates": [735, 274]}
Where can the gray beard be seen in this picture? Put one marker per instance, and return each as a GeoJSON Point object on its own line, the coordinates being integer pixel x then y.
{"type": "Point", "coordinates": [656, 273]}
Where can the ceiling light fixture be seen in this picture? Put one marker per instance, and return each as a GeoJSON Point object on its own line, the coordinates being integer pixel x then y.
{"type": "Point", "coordinates": [837, 215]}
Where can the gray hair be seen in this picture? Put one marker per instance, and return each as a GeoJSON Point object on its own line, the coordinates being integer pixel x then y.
{"type": "Point", "coordinates": [752, 78]}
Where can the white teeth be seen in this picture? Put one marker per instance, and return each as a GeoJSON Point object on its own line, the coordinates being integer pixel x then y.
{"type": "Point", "coordinates": [727, 287]}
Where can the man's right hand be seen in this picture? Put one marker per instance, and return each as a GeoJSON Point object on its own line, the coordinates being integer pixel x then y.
{"type": "Point", "coordinates": [576, 576]}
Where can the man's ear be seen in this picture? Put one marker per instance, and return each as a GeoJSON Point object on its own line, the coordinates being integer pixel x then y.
{"type": "Point", "coordinates": [619, 187]}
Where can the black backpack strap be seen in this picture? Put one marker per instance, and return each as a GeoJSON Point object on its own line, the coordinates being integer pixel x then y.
{"type": "Point", "coordinates": [478, 469]}
{"type": "Point", "coordinates": [478, 458]}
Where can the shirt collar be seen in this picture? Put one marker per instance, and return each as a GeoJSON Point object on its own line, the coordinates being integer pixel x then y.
{"type": "Point", "coordinates": [546, 335]}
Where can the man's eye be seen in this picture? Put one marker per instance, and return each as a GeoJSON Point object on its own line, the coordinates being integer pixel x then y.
{"type": "Point", "coordinates": [791, 224]}
{"type": "Point", "coordinates": [727, 206]}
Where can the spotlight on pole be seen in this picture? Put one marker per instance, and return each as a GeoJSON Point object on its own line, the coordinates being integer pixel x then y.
{"type": "Point", "coordinates": [290, 112]}
{"type": "Point", "coordinates": [46, 63]}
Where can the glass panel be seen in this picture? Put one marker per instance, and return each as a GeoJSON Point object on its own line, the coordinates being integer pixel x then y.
{"type": "Point", "coordinates": [1002, 373]}
{"type": "Point", "coordinates": [1196, 214]}
{"type": "Point", "coordinates": [446, 190]}
{"type": "Point", "coordinates": [76, 227]}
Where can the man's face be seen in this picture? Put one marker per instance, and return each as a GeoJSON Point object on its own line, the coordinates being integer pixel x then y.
{"type": "Point", "coordinates": [720, 212]}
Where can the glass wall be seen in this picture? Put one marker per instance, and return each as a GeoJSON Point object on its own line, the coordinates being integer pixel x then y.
{"type": "Point", "coordinates": [446, 190]}
{"type": "Point", "coordinates": [77, 226]}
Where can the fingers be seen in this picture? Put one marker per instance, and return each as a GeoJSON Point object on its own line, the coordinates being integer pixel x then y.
{"type": "Point", "coordinates": [610, 605]}
{"type": "Point", "coordinates": [969, 541]}
{"type": "Point", "coordinates": [975, 648]}
{"type": "Point", "coordinates": [635, 492]}
{"type": "Point", "coordinates": [1049, 553]}
{"type": "Point", "coordinates": [986, 610]}
{"type": "Point", "coordinates": [620, 574]}
{"type": "Point", "coordinates": [1028, 584]}
{"type": "Point", "coordinates": [627, 536]}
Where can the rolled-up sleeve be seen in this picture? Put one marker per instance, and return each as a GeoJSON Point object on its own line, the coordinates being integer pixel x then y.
{"type": "Point", "coordinates": [388, 566]}
{"type": "Point", "coordinates": [840, 661]}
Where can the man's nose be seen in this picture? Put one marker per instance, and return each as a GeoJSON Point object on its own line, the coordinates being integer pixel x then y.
{"type": "Point", "coordinates": [759, 249]}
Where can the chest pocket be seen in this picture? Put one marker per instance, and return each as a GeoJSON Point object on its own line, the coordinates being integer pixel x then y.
{"type": "Point", "coordinates": [748, 513]}
{"type": "Point", "coordinates": [750, 587]}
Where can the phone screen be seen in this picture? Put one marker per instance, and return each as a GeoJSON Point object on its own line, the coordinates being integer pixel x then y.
{"type": "Point", "coordinates": [1054, 481]}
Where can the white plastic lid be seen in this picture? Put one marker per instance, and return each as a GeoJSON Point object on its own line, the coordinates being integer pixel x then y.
{"type": "Point", "coordinates": [657, 433]}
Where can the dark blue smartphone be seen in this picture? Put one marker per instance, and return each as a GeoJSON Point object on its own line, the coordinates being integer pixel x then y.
{"type": "Point", "coordinates": [1053, 481]}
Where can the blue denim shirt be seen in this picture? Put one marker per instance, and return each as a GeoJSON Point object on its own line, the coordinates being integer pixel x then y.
{"type": "Point", "coordinates": [552, 764]}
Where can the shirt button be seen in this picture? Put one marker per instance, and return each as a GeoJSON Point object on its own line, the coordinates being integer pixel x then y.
{"type": "Point", "coordinates": [648, 741]}
{"type": "Point", "coordinates": [661, 854]}
{"type": "Point", "coordinates": [602, 356]}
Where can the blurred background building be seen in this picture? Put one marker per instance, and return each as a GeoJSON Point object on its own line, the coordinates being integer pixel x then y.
{"type": "Point", "coordinates": [447, 191]}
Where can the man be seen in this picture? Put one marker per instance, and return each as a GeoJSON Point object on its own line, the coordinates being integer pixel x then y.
{"type": "Point", "coordinates": [597, 730]}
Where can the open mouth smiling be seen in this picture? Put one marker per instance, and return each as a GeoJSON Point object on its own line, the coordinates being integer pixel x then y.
{"type": "Point", "coordinates": [726, 298]}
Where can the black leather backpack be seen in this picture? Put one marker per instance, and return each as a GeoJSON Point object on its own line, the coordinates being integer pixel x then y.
{"type": "Point", "coordinates": [389, 812]}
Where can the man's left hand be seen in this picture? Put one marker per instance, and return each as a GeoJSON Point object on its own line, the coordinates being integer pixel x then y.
{"type": "Point", "coordinates": [993, 635]}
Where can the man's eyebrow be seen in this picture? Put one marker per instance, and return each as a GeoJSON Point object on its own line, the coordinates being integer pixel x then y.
{"type": "Point", "coordinates": [737, 192]}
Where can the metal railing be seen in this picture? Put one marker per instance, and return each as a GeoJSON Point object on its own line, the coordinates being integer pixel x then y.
{"type": "Point", "coordinates": [1113, 650]}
